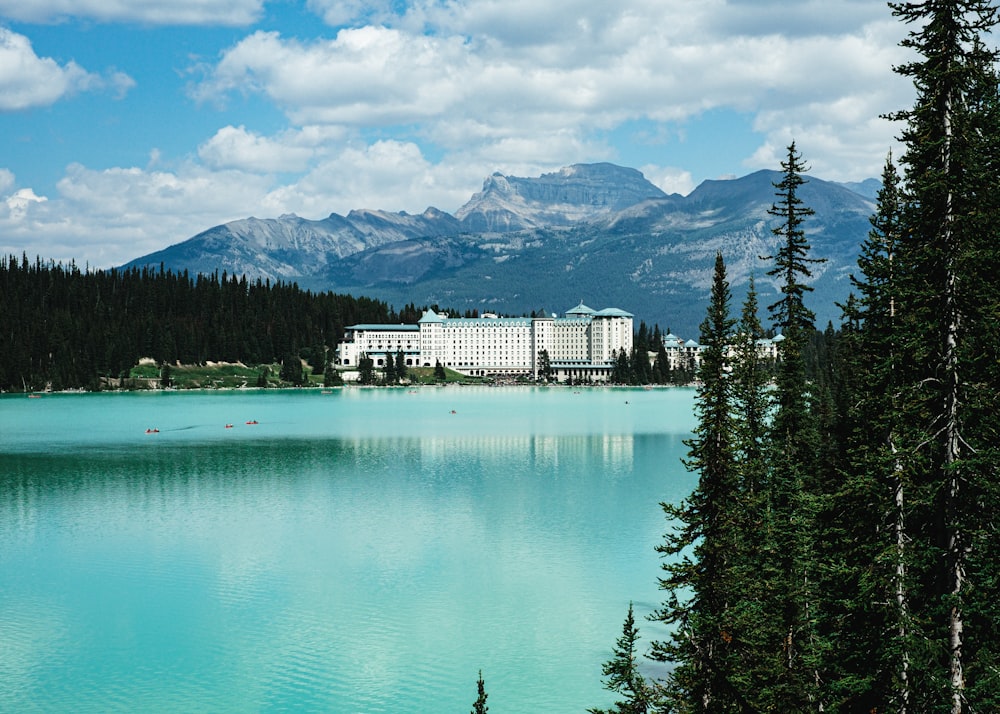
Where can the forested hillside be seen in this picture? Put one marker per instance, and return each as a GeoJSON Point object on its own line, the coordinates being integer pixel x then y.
{"type": "Point", "coordinates": [63, 328]}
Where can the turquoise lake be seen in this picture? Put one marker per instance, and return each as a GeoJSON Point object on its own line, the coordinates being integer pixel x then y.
{"type": "Point", "coordinates": [365, 550]}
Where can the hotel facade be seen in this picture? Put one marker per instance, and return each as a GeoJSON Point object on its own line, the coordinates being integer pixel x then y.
{"type": "Point", "coordinates": [581, 345]}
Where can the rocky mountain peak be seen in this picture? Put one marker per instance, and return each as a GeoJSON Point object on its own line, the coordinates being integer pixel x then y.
{"type": "Point", "coordinates": [582, 192]}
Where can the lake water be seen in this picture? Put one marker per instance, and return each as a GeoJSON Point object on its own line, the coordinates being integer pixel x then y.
{"type": "Point", "coordinates": [368, 550]}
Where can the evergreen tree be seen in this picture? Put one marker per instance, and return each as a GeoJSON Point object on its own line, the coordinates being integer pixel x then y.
{"type": "Point", "coordinates": [702, 550]}
{"type": "Point", "coordinates": [638, 366]}
{"type": "Point", "coordinates": [620, 373]}
{"type": "Point", "coordinates": [317, 359]}
{"type": "Point", "coordinates": [751, 402]}
{"type": "Point", "coordinates": [366, 370]}
{"type": "Point", "coordinates": [98, 324]}
{"type": "Point", "coordinates": [754, 555]}
{"type": "Point", "coordinates": [661, 366]}
{"type": "Point", "coordinates": [291, 370]}
{"type": "Point", "coordinates": [544, 365]}
{"type": "Point", "coordinates": [792, 259]}
{"type": "Point", "coordinates": [479, 707]}
{"type": "Point", "coordinates": [331, 376]}
{"type": "Point", "coordinates": [623, 676]}
{"type": "Point", "coordinates": [400, 365]}
{"type": "Point", "coordinates": [946, 262]}
{"type": "Point", "coordinates": [439, 374]}
{"type": "Point", "coordinates": [876, 642]}
{"type": "Point", "coordinates": [389, 370]}
{"type": "Point", "coordinates": [793, 488]}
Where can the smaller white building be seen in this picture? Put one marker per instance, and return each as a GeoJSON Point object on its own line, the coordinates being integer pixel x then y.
{"type": "Point", "coordinates": [686, 355]}
{"type": "Point", "coordinates": [378, 341]}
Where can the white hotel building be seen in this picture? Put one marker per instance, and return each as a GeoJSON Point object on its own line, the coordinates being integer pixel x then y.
{"type": "Point", "coordinates": [582, 344]}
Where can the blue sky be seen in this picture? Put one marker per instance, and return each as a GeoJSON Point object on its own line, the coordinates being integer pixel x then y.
{"type": "Point", "coordinates": [129, 125]}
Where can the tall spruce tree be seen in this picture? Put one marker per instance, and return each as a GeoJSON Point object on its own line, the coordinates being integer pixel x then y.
{"type": "Point", "coordinates": [751, 402]}
{"type": "Point", "coordinates": [876, 634]}
{"type": "Point", "coordinates": [702, 546]}
{"type": "Point", "coordinates": [793, 487]}
{"type": "Point", "coordinates": [947, 262]}
{"type": "Point", "coordinates": [754, 552]}
{"type": "Point", "coordinates": [792, 259]}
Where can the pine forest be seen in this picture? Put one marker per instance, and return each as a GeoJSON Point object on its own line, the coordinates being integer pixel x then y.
{"type": "Point", "coordinates": [64, 328]}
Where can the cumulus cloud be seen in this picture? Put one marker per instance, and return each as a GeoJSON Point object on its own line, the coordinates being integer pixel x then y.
{"type": "Point", "coordinates": [389, 174]}
{"type": "Point", "coordinates": [27, 80]}
{"type": "Point", "coordinates": [19, 202]}
{"type": "Point", "coordinates": [114, 215]}
{"type": "Point", "coordinates": [371, 76]}
{"type": "Point", "coordinates": [123, 194]}
{"type": "Point", "coordinates": [237, 148]}
{"type": "Point", "coordinates": [669, 179]}
{"type": "Point", "coordinates": [151, 12]}
{"type": "Point", "coordinates": [519, 75]}
{"type": "Point", "coordinates": [352, 12]}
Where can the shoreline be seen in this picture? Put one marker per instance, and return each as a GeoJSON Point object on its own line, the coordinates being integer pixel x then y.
{"type": "Point", "coordinates": [321, 389]}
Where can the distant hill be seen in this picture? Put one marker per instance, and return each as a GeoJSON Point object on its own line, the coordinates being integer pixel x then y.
{"type": "Point", "coordinates": [598, 232]}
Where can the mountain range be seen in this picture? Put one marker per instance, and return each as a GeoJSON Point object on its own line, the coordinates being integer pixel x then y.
{"type": "Point", "coordinates": [599, 233]}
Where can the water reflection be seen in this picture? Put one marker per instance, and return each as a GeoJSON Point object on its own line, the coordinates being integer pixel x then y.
{"type": "Point", "coordinates": [341, 574]}
{"type": "Point", "coordinates": [148, 479]}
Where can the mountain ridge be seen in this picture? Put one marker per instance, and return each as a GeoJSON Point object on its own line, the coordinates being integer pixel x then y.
{"type": "Point", "coordinates": [521, 244]}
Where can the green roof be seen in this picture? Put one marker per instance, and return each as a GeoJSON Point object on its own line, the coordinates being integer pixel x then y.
{"type": "Point", "coordinates": [385, 328]}
{"type": "Point", "coordinates": [580, 309]}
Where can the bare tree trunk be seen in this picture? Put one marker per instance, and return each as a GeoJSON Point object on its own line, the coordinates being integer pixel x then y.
{"type": "Point", "coordinates": [902, 602]}
{"type": "Point", "coordinates": [951, 432]}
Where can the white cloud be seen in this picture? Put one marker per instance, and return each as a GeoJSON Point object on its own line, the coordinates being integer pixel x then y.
{"type": "Point", "coordinates": [370, 76]}
{"type": "Point", "coordinates": [109, 217]}
{"type": "Point", "coordinates": [27, 80]}
{"type": "Point", "coordinates": [505, 78]}
{"type": "Point", "coordinates": [151, 12]}
{"type": "Point", "coordinates": [529, 23]}
{"type": "Point", "coordinates": [389, 175]}
{"type": "Point", "coordinates": [236, 148]}
{"type": "Point", "coordinates": [19, 202]}
{"type": "Point", "coordinates": [669, 179]}
{"type": "Point", "coordinates": [122, 194]}
{"type": "Point", "coordinates": [352, 12]}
